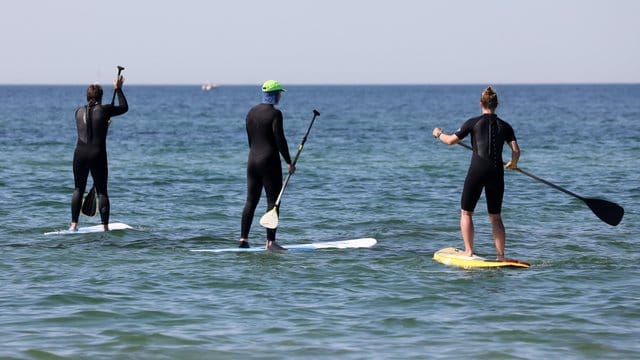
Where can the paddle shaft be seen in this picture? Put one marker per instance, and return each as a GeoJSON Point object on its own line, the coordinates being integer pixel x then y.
{"type": "Point", "coordinates": [536, 178]}
{"type": "Point", "coordinates": [113, 98]}
{"type": "Point", "coordinates": [295, 159]}
{"type": "Point", "coordinates": [607, 211]}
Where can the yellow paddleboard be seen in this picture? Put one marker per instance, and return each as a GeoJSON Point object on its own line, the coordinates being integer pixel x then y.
{"type": "Point", "coordinates": [455, 257]}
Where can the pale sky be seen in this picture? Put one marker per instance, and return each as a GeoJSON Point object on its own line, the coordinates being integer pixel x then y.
{"type": "Point", "coordinates": [320, 42]}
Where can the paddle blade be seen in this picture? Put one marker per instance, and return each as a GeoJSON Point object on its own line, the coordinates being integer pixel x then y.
{"type": "Point", "coordinates": [607, 211]}
{"type": "Point", "coordinates": [90, 203]}
{"type": "Point", "coordinates": [270, 219]}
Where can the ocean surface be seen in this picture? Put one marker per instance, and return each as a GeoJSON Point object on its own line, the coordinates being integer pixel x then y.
{"type": "Point", "coordinates": [370, 168]}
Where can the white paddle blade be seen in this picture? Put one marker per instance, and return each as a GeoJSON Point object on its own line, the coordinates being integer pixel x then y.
{"type": "Point", "coordinates": [270, 219]}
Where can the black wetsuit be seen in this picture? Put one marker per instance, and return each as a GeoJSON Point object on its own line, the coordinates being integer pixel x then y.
{"type": "Point", "coordinates": [489, 133]}
{"type": "Point", "coordinates": [92, 122]}
{"type": "Point", "coordinates": [266, 142]}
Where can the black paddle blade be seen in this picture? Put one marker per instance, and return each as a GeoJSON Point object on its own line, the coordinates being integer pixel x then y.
{"type": "Point", "coordinates": [607, 211]}
{"type": "Point", "coordinates": [90, 203]}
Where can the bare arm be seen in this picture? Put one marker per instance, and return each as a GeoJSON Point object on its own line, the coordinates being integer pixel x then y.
{"type": "Point", "coordinates": [515, 155]}
{"type": "Point", "coordinates": [447, 139]}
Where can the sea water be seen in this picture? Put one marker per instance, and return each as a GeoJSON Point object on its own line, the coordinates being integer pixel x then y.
{"type": "Point", "coordinates": [370, 168]}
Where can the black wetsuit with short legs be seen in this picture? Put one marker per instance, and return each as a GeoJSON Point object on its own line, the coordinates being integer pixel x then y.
{"type": "Point", "coordinates": [489, 133]}
{"type": "Point", "coordinates": [90, 156]}
{"type": "Point", "coordinates": [266, 142]}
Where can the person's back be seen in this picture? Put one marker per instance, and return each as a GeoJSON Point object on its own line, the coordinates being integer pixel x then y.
{"type": "Point", "coordinates": [265, 132]}
{"type": "Point", "coordinates": [489, 134]}
{"type": "Point", "coordinates": [92, 122]}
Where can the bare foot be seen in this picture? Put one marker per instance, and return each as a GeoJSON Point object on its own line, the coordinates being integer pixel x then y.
{"type": "Point", "coordinates": [273, 245]}
{"type": "Point", "coordinates": [73, 227]}
{"type": "Point", "coordinates": [500, 257]}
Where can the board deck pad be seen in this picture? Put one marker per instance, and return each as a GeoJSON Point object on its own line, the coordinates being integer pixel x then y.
{"type": "Point", "coordinates": [454, 257]}
{"type": "Point", "coordinates": [90, 229]}
{"type": "Point", "coordinates": [342, 244]}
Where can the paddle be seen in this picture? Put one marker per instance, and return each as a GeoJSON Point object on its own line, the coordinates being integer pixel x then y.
{"type": "Point", "coordinates": [113, 98]}
{"type": "Point", "coordinates": [609, 212]}
{"type": "Point", "coordinates": [270, 219]}
{"type": "Point", "coordinates": [90, 202]}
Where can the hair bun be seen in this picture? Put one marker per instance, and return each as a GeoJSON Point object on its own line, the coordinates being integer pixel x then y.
{"type": "Point", "coordinates": [489, 98]}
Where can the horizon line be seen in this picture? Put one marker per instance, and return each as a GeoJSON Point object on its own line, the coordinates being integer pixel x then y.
{"type": "Point", "coordinates": [338, 84]}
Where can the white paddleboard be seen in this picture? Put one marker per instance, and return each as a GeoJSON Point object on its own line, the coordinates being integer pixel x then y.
{"type": "Point", "coordinates": [343, 244]}
{"type": "Point", "coordinates": [90, 229]}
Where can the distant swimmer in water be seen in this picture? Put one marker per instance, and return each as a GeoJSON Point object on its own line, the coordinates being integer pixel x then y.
{"type": "Point", "coordinates": [90, 156]}
{"type": "Point", "coordinates": [267, 142]}
{"type": "Point", "coordinates": [489, 133]}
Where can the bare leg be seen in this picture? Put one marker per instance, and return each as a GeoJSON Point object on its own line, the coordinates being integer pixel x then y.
{"type": "Point", "coordinates": [499, 235]}
{"type": "Point", "coordinates": [273, 245]}
{"type": "Point", "coordinates": [466, 227]}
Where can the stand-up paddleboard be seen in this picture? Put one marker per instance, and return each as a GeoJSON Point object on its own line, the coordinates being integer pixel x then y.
{"type": "Point", "coordinates": [343, 244]}
{"type": "Point", "coordinates": [455, 257]}
{"type": "Point", "coordinates": [91, 229]}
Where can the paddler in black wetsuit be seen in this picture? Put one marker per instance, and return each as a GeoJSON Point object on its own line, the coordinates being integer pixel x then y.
{"type": "Point", "coordinates": [488, 135]}
{"type": "Point", "coordinates": [92, 122]}
{"type": "Point", "coordinates": [266, 143]}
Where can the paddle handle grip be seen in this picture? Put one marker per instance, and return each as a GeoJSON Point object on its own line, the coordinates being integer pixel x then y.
{"type": "Point", "coordinates": [113, 98]}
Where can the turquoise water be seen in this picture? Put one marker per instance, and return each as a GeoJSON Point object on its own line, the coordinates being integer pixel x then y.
{"type": "Point", "coordinates": [369, 169]}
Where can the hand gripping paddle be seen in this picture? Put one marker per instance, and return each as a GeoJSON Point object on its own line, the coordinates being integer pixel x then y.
{"type": "Point", "coordinates": [270, 219]}
{"type": "Point", "coordinates": [113, 98]}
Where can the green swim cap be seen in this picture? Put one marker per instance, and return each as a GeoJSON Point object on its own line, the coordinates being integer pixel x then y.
{"type": "Point", "coordinates": [272, 85]}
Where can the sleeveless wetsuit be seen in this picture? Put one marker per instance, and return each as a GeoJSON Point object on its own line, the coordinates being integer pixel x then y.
{"type": "Point", "coordinates": [90, 155]}
{"type": "Point", "coordinates": [489, 133]}
{"type": "Point", "coordinates": [266, 142]}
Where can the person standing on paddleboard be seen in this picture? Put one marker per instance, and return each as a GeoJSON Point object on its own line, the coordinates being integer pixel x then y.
{"type": "Point", "coordinates": [267, 142]}
{"type": "Point", "coordinates": [489, 133]}
{"type": "Point", "coordinates": [90, 155]}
